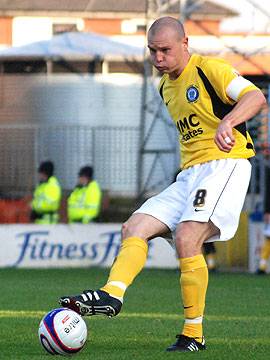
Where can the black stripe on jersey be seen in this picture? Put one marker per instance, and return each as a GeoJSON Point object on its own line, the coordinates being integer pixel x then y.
{"type": "Point", "coordinates": [161, 90]}
{"type": "Point", "coordinates": [220, 109]}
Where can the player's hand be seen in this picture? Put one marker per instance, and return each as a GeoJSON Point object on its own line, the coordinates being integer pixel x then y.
{"type": "Point", "coordinates": [224, 138]}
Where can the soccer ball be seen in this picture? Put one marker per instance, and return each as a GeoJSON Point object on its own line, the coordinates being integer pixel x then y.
{"type": "Point", "coordinates": [62, 332]}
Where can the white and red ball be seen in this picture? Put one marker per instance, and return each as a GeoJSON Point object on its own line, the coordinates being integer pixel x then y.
{"type": "Point", "coordinates": [62, 332]}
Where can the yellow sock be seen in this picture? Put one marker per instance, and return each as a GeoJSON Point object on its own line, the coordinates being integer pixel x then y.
{"type": "Point", "coordinates": [194, 282]}
{"type": "Point", "coordinates": [127, 265]}
{"type": "Point", "coordinates": [265, 254]}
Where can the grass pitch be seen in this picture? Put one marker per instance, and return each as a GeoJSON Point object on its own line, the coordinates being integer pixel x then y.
{"type": "Point", "coordinates": [236, 323]}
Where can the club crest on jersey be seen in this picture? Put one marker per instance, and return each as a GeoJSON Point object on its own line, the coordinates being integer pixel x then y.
{"type": "Point", "coordinates": [192, 93]}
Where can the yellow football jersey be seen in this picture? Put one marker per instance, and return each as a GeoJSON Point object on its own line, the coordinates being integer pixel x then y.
{"type": "Point", "coordinates": [198, 100]}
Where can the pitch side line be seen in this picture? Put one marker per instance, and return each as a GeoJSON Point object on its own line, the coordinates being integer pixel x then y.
{"type": "Point", "coordinates": [40, 313]}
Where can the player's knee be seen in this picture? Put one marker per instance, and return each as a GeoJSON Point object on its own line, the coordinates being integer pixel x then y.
{"type": "Point", "coordinates": [186, 241]}
{"type": "Point", "coordinates": [125, 229]}
{"type": "Point", "coordinates": [128, 229]}
{"type": "Point", "coordinates": [183, 244]}
{"type": "Point", "coordinates": [132, 228]}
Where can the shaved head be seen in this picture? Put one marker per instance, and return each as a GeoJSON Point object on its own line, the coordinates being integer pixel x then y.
{"type": "Point", "coordinates": [168, 46]}
{"type": "Point", "coordinates": [167, 22]}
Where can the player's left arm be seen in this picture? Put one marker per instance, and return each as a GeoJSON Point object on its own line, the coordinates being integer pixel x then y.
{"type": "Point", "coordinates": [249, 101]}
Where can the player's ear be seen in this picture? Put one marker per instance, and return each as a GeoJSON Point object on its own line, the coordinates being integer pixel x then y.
{"type": "Point", "coordinates": [185, 42]}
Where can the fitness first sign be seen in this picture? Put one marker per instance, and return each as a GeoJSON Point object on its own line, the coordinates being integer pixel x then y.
{"type": "Point", "coordinates": [56, 246]}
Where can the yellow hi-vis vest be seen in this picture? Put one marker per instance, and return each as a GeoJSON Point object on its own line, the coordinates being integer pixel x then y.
{"type": "Point", "coordinates": [46, 201]}
{"type": "Point", "coordinates": [83, 204]}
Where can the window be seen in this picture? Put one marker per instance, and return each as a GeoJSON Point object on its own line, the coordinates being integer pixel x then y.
{"type": "Point", "coordinates": [63, 28]}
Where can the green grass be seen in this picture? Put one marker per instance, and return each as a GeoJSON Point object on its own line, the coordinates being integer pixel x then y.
{"type": "Point", "coordinates": [236, 323]}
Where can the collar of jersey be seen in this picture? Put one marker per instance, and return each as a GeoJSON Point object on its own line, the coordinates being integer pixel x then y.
{"type": "Point", "coordinates": [193, 60]}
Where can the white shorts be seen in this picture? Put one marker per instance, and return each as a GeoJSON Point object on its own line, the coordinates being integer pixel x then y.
{"type": "Point", "coordinates": [213, 191]}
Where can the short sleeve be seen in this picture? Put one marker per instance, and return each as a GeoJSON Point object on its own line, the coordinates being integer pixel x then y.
{"type": "Point", "coordinates": [227, 82]}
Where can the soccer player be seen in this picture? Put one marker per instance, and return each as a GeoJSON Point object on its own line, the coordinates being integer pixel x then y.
{"type": "Point", "coordinates": [265, 249]}
{"type": "Point", "coordinates": [209, 103]}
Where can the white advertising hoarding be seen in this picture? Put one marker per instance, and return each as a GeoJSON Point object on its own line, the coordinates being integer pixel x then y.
{"type": "Point", "coordinates": [41, 246]}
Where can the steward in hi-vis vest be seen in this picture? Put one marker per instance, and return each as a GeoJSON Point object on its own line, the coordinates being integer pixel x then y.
{"type": "Point", "coordinates": [47, 196]}
{"type": "Point", "coordinates": [83, 205]}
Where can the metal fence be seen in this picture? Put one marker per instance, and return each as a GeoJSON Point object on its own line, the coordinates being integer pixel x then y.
{"type": "Point", "coordinates": [112, 151]}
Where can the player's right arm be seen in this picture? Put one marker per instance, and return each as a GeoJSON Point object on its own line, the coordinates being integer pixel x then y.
{"type": "Point", "coordinates": [247, 107]}
{"type": "Point", "coordinates": [232, 88]}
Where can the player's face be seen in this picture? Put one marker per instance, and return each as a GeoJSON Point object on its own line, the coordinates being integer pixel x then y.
{"type": "Point", "coordinates": [168, 53]}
